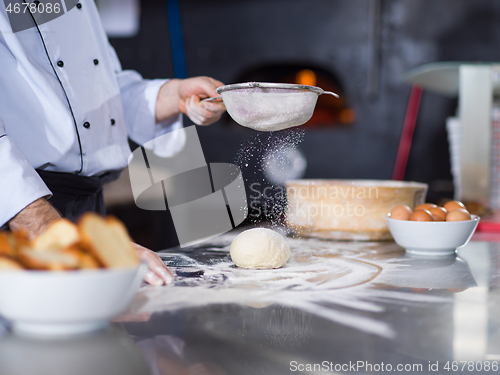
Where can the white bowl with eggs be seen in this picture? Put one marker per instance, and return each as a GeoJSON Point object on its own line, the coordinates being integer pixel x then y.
{"type": "Point", "coordinates": [432, 237]}
{"type": "Point", "coordinates": [48, 303]}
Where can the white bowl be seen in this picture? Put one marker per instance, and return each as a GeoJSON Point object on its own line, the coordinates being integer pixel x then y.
{"type": "Point", "coordinates": [65, 303]}
{"type": "Point", "coordinates": [432, 237]}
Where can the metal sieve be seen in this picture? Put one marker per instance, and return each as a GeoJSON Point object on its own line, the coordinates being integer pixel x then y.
{"type": "Point", "coordinates": [270, 106]}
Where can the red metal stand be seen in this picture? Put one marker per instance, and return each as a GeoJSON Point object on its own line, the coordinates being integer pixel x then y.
{"type": "Point", "coordinates": [407, 133]}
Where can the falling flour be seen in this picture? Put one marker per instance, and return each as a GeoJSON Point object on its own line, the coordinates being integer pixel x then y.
{"type": "Point", "coordinates": [258, 155]}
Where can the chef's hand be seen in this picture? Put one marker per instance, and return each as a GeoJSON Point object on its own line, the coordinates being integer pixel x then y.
{"type": "Point", "coordinates": [157, 274]}
{"type": "Point", "coordinates": [191, 91]}
{"type": "Point", "coordinates": [186, 96]}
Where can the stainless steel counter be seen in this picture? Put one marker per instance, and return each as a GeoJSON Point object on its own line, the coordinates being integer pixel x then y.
{"type": "Point", "coordinates": [337, 307]}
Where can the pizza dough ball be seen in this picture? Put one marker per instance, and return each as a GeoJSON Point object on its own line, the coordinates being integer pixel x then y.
{"type": "Point", "coordinates": [260, 248]}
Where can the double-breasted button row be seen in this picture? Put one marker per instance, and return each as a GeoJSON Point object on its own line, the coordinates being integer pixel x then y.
{"type": "Point", "coordinates": [86, 124]}
{"type": "Point", "coordinates": [60, 63]}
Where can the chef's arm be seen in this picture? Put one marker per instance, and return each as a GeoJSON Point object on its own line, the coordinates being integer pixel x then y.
{"type": "Point", "coordinates": [35, 217]}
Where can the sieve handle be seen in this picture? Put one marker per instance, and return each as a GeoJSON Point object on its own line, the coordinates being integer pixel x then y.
{"type": "Point", "coordinates": [212, 99]}
{"type": "Point", "coordinates": [330, 93]}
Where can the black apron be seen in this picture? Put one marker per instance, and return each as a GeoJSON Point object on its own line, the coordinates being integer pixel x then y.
{"type": "Point", "coordinates": [74, 195]}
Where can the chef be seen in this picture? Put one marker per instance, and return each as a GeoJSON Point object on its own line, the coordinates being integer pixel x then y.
{"type": "Point", "coordinates": [66, 111]}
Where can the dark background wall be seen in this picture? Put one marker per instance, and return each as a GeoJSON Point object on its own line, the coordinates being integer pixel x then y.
{"type": "Point", "coordinates": [225, 38]}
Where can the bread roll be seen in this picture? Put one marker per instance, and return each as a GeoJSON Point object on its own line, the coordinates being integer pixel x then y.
{"type": "Point", "coordinates": [108, 241]}
{"type": "Point", "coordinates": [7, 245]}
{"type": "Point", "coordinates": [86, 260]}
{"type": "Point", "coordinates": [58, 235]}
{"type": "Point", "coordinates": [55, 261]}
{"type": "Point", "coordinates": [9, 264]}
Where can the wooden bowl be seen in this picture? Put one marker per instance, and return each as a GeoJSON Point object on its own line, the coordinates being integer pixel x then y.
{"type": "Point", "coordinates": [347, 209]}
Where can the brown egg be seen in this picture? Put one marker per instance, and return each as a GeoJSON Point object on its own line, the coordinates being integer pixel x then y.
{"type": "Point", "coordinates": [438, 213]}
{"type": "Point", "coordinates": [458, 214]}
{"type": "Point", "coordinates": [421, 215]}
{"type": "Point", "coordinates": [451, 205]}
{"type": "Point", "coordinates": [425, 206]}
{"type": "Point", "coordinates": [401, 212]}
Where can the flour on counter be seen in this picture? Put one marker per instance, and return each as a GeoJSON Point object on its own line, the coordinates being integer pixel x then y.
{"type": "Point", "coordinates": [323, 278]}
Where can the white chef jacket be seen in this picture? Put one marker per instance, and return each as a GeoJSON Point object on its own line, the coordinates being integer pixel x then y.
{"type": "Point", "coordinates": [67, 105]}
